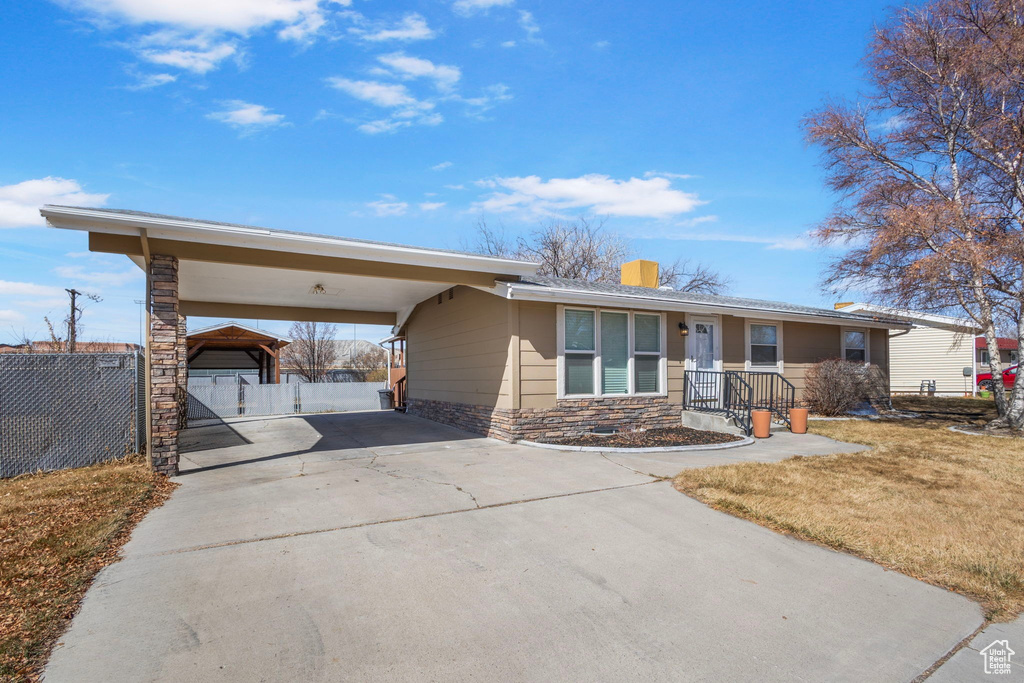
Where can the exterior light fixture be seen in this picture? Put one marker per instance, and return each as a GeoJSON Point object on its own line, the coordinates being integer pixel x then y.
{"type": "Point", "coordinates": [683, 330]}
{"type": "Point", "coordinates": [318, 289]}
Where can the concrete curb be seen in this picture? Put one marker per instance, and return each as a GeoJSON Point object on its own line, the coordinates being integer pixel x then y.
{"type": "Point", "coordinates": [961, 430]}
{"type": "Point", "coordinates": [746, 441]}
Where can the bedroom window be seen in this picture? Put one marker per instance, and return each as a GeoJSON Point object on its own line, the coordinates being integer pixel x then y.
{"type": "Point", "coordinates": [610, 353]}
{"type": "Point", "coordinates": [764, 344]}
{"type": "Point", "coordinates": [855, 345]}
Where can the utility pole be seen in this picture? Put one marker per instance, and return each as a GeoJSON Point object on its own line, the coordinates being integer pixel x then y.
{"type": "Point", "coordinates": [72, 319]}
{"type": "Point", "coordinates": [140, 302]}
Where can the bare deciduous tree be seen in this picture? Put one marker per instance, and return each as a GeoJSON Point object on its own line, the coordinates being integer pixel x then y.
{"type": "Point", "coordinates": [371, 364]}
{"type": "Point", "coordinates": [312, 351]}
{"type": "Point", "coordinates": [583, 249]}
{"type": "Point", "coordinates": [930, 169]}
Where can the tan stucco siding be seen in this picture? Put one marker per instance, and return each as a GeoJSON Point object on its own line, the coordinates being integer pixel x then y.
{"type": "Point", "coordinates": [734, 353]}
{"type": "Point", "coordinates": [675, 352]}
{"type": "Point", "coordinates": [538, 355]}
{"type": "Point", "coordinates": [929, 353]}
{"type": "Point", "coordinates": [803, 345]}
{"type": "Point", "coordinates": [458, 350]}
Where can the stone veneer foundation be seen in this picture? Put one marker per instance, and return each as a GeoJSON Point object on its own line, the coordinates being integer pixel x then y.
{"type": "Point", "coordinates": [570, 417]}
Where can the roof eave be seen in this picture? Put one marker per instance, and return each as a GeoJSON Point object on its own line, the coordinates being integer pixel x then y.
{"type": "Point", "coordinates": [585, 298]}
{"type": "Point", "coordinates": [98, 220]}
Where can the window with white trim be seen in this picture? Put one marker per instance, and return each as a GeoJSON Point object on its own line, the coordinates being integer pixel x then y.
{"type": "Point", "coordinates": [580, 351]}
{"type": "Point", "coordinates": [646, 353]}
{"type": "Point", "coordinates": [764, 345]}
{"type": "Point", "coordinates": [611, 353]}
{"type": "Point", "coordinates": [855, 345]}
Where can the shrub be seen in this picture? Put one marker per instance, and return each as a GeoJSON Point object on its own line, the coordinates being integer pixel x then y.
{"type": "Point", "coordinates": [834, 386]}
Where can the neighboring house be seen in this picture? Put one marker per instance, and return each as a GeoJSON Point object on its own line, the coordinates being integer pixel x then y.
{"type": "Point", "coordinates": [546, 356]}
{"type": "Point", "coordinates": [347, 351]}
{"type": "Point", "coordinates": [1007, 351]}
{"type": "Point", "coordinates": [80, 347]}
{"type": "Point", "coordinates": [931, 356]}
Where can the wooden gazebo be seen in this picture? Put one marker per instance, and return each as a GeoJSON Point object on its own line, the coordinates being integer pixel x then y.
{"type": "Point", "coordinates": [233, 346]}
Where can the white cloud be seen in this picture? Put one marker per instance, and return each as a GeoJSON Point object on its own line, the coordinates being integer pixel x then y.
{"type": "Point", "coordinates": [664, 174]}
{"type": "Point", "coordinates": [597, 193]}
{"type": "Point", "coordinates": [467, 7]}
{"type": "Point", "coordinates": [247, 117]}
{"type": "Point", "coordinates": [19, 203]}
{"type": "Point", "coordinates": [601, 45]}
{"type": "Point", "coordinates": [380, 94]}
{"type": "Point", "coordinates": [411, 27]}
{"type": "Point", "coordinates": [509, 43]}
{"type": "Point", "coordinates": [196, 53]}
{"type": "Point", "coordinates": [9, 288]}
{"type": "Point", "coordinates": [431, 206]}
{"type": "Point", "coordinates": [381, 207]}
{"type": "Point", "coordinates": [492, 94]}
{"type": "Point", "coordinates": [688, 234]}
{"type": "Point", "coordinates": [147, 81]}
{"type": "Point", "coordinates": [99, 278]}
{"type": "Point", "coordinates": [235, 16]}
{"type": "Point", "coordinates": [406, 109]}
{"type": "Point", "coordinates": [197, 35]}
{"type": "Point", "coordinates": [9, 316]}
{"type": "Point", "coordinates": [441, 166]}
{"type": "Point", "coordinates": [455, 187]}
{"type": "Point", "coordinates": [529, 24]}
{"type": "Point", "coordinates": [444, 76]}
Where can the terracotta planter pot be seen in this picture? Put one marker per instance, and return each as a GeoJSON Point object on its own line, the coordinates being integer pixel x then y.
{"type": "Point", "coordinates": [798, 420]}
{"type": "Point", "coordinates": [762, 421]}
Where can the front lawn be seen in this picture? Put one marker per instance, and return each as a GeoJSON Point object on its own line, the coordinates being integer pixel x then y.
{"type": "Point", "coordinates": [942, 507]}
{"type": "Point", "coordinates": [57, 530]}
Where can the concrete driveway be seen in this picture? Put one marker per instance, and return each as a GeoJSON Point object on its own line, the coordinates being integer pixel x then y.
{"type": "Point", "coordinates": [378, 546]}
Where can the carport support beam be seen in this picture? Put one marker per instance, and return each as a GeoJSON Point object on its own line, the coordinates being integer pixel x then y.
{"type": "Point", "coordinates": [164, 356]}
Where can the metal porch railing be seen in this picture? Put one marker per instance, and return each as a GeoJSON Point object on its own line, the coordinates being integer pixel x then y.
{"type": "Point", "coordinates": [734, 394]}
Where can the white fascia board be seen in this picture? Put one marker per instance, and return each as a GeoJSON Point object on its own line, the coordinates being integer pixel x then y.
{"type": "Point", "coordinates": [580, 298]}
{"type": "Point", "coordinates": [273, 240]}
{"type": "Point", "coordinates": [925, 319]}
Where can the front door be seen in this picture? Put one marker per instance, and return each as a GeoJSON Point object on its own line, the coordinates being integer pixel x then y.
{"type": "Point", "coordinates": [705, 386]}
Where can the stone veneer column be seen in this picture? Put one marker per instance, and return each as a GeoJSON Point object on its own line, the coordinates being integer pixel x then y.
{"type": "Point", "coordinates": [163, 361]}
{"type": "Point", "coordinates": [182, 371]}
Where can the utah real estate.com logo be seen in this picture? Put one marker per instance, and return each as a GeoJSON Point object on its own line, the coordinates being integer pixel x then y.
{"type": "Point", "coordinates": [997, 657]}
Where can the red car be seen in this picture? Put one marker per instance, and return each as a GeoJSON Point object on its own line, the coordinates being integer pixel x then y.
{"type": "Point", "coordinates": [1009, 376]}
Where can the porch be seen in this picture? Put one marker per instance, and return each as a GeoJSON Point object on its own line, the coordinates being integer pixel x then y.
{"type": "Point", "coordinates": [735, 394]}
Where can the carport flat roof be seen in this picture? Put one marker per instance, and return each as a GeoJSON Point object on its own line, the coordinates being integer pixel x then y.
{"type": "Point", "coordinates": [235, 270]}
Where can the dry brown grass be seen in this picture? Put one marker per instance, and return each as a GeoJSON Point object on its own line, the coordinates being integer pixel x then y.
{"type": "Point", "coordinates": [57, 530]}
{"type": "Point", "coordinates": [939, 506]}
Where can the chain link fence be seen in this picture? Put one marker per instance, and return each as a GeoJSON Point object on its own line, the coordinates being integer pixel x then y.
{"type": "Point", "coordinates": [209, 401]}
{"type": "Point", "coordinates": [68, 410]}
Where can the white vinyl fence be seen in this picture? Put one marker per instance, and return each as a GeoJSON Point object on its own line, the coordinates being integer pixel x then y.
{"type": "Point", "coordinates": [210, 401]}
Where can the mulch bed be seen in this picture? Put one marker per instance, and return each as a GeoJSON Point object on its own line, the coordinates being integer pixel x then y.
{"type": "Point", "coordinates": [650, 438]}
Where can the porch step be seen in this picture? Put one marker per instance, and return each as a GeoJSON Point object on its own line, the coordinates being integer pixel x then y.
{"type": "Point", "coordinates": [719, 423]}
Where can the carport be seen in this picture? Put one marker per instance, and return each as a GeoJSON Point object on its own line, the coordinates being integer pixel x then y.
{"type": "Point", "coordinates": [209, 268]}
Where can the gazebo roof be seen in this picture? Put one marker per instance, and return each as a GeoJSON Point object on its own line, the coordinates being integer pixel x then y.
{"type": "Point", "coordinates": [234, 335]}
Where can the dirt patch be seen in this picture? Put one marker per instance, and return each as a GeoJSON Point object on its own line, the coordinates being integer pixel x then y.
{"type": "Point", "coordinates": [57, 530]}
{"type": "Point", "coordinates": [664, 437]}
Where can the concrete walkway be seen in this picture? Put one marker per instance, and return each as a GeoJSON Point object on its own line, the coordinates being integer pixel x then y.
{"type": "Point", "coordinates": [378, 546]}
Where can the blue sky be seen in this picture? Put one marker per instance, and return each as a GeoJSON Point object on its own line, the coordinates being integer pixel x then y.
{"type": "Point", "coordinates": [408, 121]}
